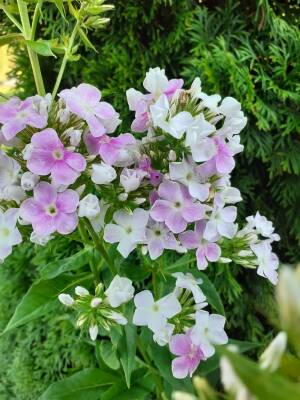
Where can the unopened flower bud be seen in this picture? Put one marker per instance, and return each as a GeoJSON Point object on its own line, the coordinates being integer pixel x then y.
{"type": "Point", "coordinates": [123, 196]}
{"type": "Point", "coordinates": [66, 299]}
{"type": "Point", "coordinates": [95, 302]}
{"type": "Point", "coordinates": [81, 320]}
{"type": "Point", "coordinates": [29, 180]}
{"type": "Point", "coordinates": [89, 206]}
{"type": "Point", "coordinates": [93, 331]}
{"type": "Point", "coordinates": [103, 174]}
{"type": "Point", "coordinates": [172, 155]}
{"type": "Point", "coordinates": [81, 291]}
{"type": "Point", "coordinates": [271, 357]}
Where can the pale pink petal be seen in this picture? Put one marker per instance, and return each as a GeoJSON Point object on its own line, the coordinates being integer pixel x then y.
{"type": "Point", "coordinates": [67, 201]}
{"type": "Point", "coordinates": [193, 212]}
{"type": "Point", "coordinates": [180, 367]}
{"type": "Point", "coordinates": [46, 140]}
{"type": "Point", "coordinates": [160, 210]}
{"type": "Point", "coordinates": [175, 222]}
{"type": "Point", "coordinates": [89, 93]}
{"type": "Point", "coordinates": [173, 85]}
{"type": "Point", "coordinates": [199, 191]}
{"type": "Point", "coordinates": [62, 174]}
{"type": "Point", "coordinates": [44, 226]}
{"type": "Point", "coordinates": [40, 162]}
{"type": "Point", "coordinates": [212, 252]}
{"type": "Point", "coordinates": [31, 210]}
{"type": "Point", "coordinates": [180, 344]}
{"type": "Point", "coordinates": [155, 248]}
{"type": "Point", "coordinates": [75, 161]}
{"type": "Point", "coordinates": [66, 223]}
{"type": "Point", "coordinates": [44, 193]}
{"type": "Point", "coordinates": [104, 110]}
{"type": "Point", "coordinates": [170, 191]}
{"type": "Point", "coordinates": [189, 239]}
{"type": "Point", "coordinates": [11, 128]}
{"type": "Point", "coordinates": [201, 260]}
{"type": "Point", "coordinates": [96, 126]}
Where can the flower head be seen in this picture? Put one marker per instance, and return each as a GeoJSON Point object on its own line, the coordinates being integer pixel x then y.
{"type": "Point", "coordinates": [84, 101]}
{"type": "Point", "coordinates": [129, 230]}
{"type": "Point", "coordinates": [154, 314]}
{"type": "Point", "coordinates": [48, 156]}
{"type": "Point", "coordinates": [208, 332]}
{"type": "Point", "coordinates": [176, 207]}
{"type": "Point", "coordinates": [189, 282]}
{"type": "Point", "coordinates": [267, 261]}
{"type": "Point", "coordinates": [16, 114]}
{"type": "Point", "coordinates": [188, 355]}
{"type": "Point", "coordinates": [207, 250]}
{"type": "Point", "coordinates": [49, 211]}
{"type": "Point", "coordinates": [158, 238]}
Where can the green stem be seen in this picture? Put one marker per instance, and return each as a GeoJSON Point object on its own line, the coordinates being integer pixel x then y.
{"type": "Point", "coordinates": [34, 61]}
{"type": "Point", "coordinates": [148, 362]}
{"type": "Point", "coordinates": [35, 18]}
{"type": "Point", "coordinates": [65, 60]}
{"type": "Point", "coordinates": [154, 285]}
{"type": "Point", "coordinates": [99, 246]}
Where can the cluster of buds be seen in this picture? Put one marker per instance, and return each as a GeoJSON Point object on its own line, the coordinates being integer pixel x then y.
{"type": "Point", "coordinates": [101, 309]}
{"type": "Point", "coordinates": [163, 187]}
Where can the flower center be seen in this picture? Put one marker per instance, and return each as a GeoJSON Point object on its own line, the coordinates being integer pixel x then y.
{"type": "Point", "coordinates": [189, 176]}
{"type": "Point", "coordinates": [157, 232]}
{"type": "Point", "coordinates": [4, 232]}
{"type": "Point", "coordinates": [177, 204]}
{"type": "Point", "coordinates": [51, 210]}
{"type": "Point", "coordinates": [58, 154]}
{"type": "Point", "coordinates": [155, 307]}
{"type": "Point", "coordinates": [128, 229]}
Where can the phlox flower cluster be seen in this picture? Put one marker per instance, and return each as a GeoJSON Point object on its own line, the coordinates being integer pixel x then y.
{"type": "Point", "coordinates": [165, 186]}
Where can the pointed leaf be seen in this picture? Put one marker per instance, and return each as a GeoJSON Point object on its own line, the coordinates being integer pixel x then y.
{"type": "Point", "coordinates": [127, 350]}
{"type": "Point", "coordinates": [74, 262]}
{"type": "Point", "coordinates": [41, 47]}
{"type": "Point", "coordinates": [41, 297]}
{"type": "Point", "coordinates": [87, 384]}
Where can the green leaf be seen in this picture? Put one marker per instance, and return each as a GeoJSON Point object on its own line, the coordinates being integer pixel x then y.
{"type": "Point", "coordinates": [86, 40]}
{"type": "Point", "coordinates": [10, 38]}
{"type": "Point", "coordinates": [41, 47]}
{"type": "Point", "coordinates": [108, 354]}
{"type": "Point", "coordinates": [212, 363]}
{"type": "Point", "coordinates": [87, 384]}
{"type": "Point", "coordinates": [127, 351]}
{"type": "Point", "coordinates": [41, 297]}
{"type": "Point", "coordinates": [181, 265]}
{"type": "Point", "coordinates": [60, 6]}
{"type": "Point", "coordinates": [262, 383]}
{"type": "Point", "coordinates": [71, 263]}
{"type": "Point", "coordinates": [211, 293]}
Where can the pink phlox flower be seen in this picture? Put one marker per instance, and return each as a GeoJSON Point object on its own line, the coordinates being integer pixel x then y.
{"type": "Point", "coordinates": [84, 101]}
{"type": "Point", "coordinates": [159, 238]}
{"type": "Point", "coordinates": [223, 160]}
{"type": "Point", "coordinates": [49, 211]}
{"type": "Point", "coordinates": [16, 114]}
{"type": "Point", "coordinates": [188, 355]}
{"type": "Point", "coordinates": [207, 250]}
{"type": "Point", "coordinates": [176, 207]}
{"type": "Point", "coordinates": [48, 156]}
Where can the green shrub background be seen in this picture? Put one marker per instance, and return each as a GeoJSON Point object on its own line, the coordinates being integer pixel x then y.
{"type": "Point", "coordinates": [249, 50]}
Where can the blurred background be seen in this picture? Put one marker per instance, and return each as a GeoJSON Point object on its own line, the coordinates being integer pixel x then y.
{"type": "Point", "coordinates": [246, 49]}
